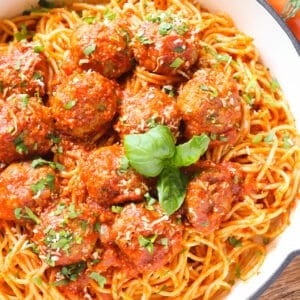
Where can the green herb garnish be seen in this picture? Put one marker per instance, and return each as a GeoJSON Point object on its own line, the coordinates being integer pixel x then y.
{"type": "Point", "coordinates": [154, 154]}
{"type": "Point", "coordinates": [89, 49]}
{"type": "Point", "coordinates": [100, 279]}
{"type": "Point", "coordinates": [70, 104]}
{"type": "Point", "coordinates": [42, 162]}
{"type": "Point", "coordinates": [43, 183]}
{"type": "Point", "coordinates": [177, 63]}
{"type": "Point", "coordinates": [147, 242]}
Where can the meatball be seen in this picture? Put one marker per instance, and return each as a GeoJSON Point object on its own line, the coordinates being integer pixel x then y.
{"type": "Point", "coordinates": [210, 195]}
{"type": "Point", "coordinates": [23, 70]}
{"type": "Point", "coordinates": [24, 189]}
{"type": "Point", "coordinates": [66, 233]}
{"type": "Point", "coordinates": [166, 50]}
{"type": "Point", "coordinates": [148, 238]}
{"type": "Point", "coordinates": [84, 104]}
{"type": "Point", "coordinates": [109, 180]}
{"type": "Point", "coordinates": [102, 47]}
{"type": "Point", "coordinates": [25, 128]}
{"type": "Point", "coordinates": [210, 104]}
{"type": "Point", "coordinates": [137, 113]}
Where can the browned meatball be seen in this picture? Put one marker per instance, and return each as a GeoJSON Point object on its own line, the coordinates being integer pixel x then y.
{"type": "Point", "coordinates": [139, 112]}
{"type": "Point", "coordinates": [166, 48]}
{"type": "Point", "coordinates": [23, 70]}
{"type": "Point", "coordinates": [23, 187]}
{"type": "Point", "coordinates": [66, 234]}
{"type": "Point", "coordinates": [210, 104]}
{"type": "Point", "coordinates": [25, 128]}
{"type": "Point", "coordinates": [108, 180]}
{"type": "Point", "coordinates": [210, 195]}
{"type": "Point", "coordinates": [84, 104]}
{"type": "Point", "coordinates": [150, 239]}
{"type": "Point", "coordinates": [102, 47]}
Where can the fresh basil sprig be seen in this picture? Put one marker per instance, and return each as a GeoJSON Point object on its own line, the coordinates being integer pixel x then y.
{"type": "Point", "coordinates": [171, 189]}
{"type": "Point", "coordinates": [148, 152]}
{"type": "Point", "coordinates": [154, 153]}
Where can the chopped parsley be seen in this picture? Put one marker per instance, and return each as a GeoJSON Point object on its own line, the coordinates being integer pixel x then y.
{"type": "Point", "coordinates": [100, 279]}
{"type": "Point", "coordinates": [109, 15]}
{"type": "Point", "coordinates": [177, 62]}
{"type": "Point", "coordinates": [219, 57]}
{"type": "Point", "coordinates": [143, 39]}
{"type": "Point", "coordinates": [89, 20]}
{"type": "Point", "coordinates": [59, 209]}
{"type": "Point", "coordinates": [286, 141]}
{"type": "Point", "coordinates": [41, 162]}
{"type": "Point", "coordinates": [266, 240]}
{"type": "Point", "coordinates": [97, 227]}
{"type": "Point", "coordinates": [37, 280]}
{"type": "Point", "coordinates": [70, 104]}
{"type": "Point", "coordinates": [147, 242]}
{"type": "Point", "coordinates": [116, 209]}
{"type": "Point", "coordinates": [257, 139]}
{"type": "Point", "coordinates": [70, 273]}
{"type": "Point", "coordinates": [234, 242]}
{"type": "Point", "coordinates": [269, 138]}
{"type": "Point", "coordinates": [43, 183]}
{"type": "Point", "coordinates": [37, 76]}
{"type": "Point", "coordinates": [274, 85]}
{"type": "Point", "coordinates": [60, 239]}
{"type": "Point", "coordinates": [21, 148]}
{"type": "Point", "coordinates": [24, 99]}
{"type": "Point", "coordinates": [168, 22]}
{"type": "Point", "coordinates": [27, 214]}
{"type": "Point", "coordinates": [23, 33]}
{"type": "Point", "coordinates": [237, 270]}
{"type": "Point", "coordinates": [89, 49]}
{"type": "Point", "coordinates": [210, 89]}
{"type": "Point", "coordinates": [179, 49]}
{"type": "Point", "coordinates": [249, 98]}
{"type": "Point", "coordinates": [72, 212]}
{"type": "Point", "coordinates": [54, 138]}
{"type": "Point", "coordinates": [38, 48]}
{"type": "Point", "coordinates": [165, 28]}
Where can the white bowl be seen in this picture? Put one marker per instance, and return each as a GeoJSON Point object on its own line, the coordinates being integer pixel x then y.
{"type": "Point", "coordinates": [280, 51]}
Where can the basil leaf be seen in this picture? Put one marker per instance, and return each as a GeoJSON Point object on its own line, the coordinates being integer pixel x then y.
{"type": "Point", "coordinates": [171, 189]}
{"type": "Point", "coordinates": [189, 152]}
{"type": "Point", "coordinates": [148, 152]}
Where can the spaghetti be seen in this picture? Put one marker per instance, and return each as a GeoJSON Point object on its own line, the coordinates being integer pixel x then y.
{"type": "Point", "coordinates": [259, 152]}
